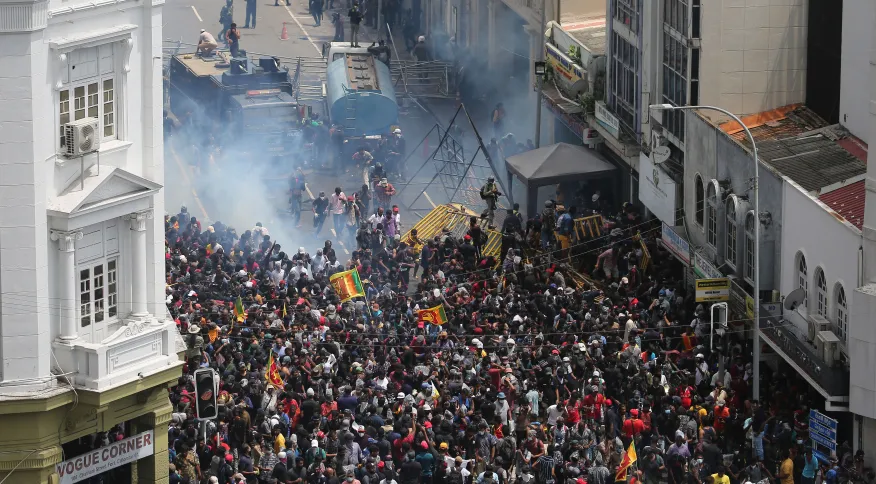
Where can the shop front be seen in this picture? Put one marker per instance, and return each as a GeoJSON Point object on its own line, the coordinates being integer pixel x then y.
{"type": "Point", "coordinates": [62, 437]}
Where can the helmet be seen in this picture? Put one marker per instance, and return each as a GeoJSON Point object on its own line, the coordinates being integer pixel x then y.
{"type": "Point", "coordinates": [491, 179]}
{"type": "Point", "coordinates": [183, 209]}
{"type": "Point", "coordinates": [397, 131]}
{"type": "Point", "coordinates": [548, 204]}
{"type": "Point", "coordinates": [421, 38]}
{"type": "Point", "coordinates": [378, 165]}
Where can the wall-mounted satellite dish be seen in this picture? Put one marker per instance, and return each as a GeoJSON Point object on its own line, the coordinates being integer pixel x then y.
{"type": "Point", "coordinates": [659, 154]}
{"type": "Point", "coordinates": [795, 298]}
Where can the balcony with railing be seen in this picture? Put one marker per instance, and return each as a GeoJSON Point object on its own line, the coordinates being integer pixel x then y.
{"type": "Point", "coordinates": [830, 378]}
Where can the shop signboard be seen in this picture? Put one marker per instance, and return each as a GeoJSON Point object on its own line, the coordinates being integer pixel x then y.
{"type": "Point", "coordinates": [704, 268]}
{"type": "Point", "coordinates": [100, 460]}
{"type": "Point", "coordinates": [676, 244]}
{"type": "Point", "coordinates": [656, 189]}
{"type": "Point", "coordinates": [713, 290]}
{"type": "Point", "coordinates": [741, 303]}
{"type": "Point", "coordinates": [607, 120]}
{"type": "Point", "coordinates": [822, 431]}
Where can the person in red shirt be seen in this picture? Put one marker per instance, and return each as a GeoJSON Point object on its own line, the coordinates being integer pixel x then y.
{"type": "Point", "coordinates": [573, 416]}
{"type": "Point", "coordinates": [632, 426]}
{"type": "Point", "coordinates": [495, 375]}
{"type": "Point", "coordinates": [722, 413]}
{"type": "Point", "coordinates": [593, 403]}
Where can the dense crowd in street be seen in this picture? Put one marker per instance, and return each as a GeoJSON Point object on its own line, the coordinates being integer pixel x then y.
{"type": "Point", "coordinates": [516, 375]}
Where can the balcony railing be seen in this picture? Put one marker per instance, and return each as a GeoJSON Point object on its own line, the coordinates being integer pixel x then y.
{"type": "Point", "coordinates": [834, 379]}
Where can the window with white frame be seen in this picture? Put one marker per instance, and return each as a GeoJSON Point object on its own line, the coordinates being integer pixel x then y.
{"type": "Point", "coordinates": [700, 195]}
{"type": "Point", "coordinates": [803, 278]}
{"type": "Point", "coordinates": [749, 248]}
{"type": "Point", "coordinates": [89, 90]}
{"type": "Point", "coordinates": [842, 314]}
{"type": "Point", "coordinates": [732, 233]}
{"type": "Point", "coordinates": [97, 265]}
{"type": "Point", "coordinates": [98, 292]}
{"type": "Point", "coordinates": [821, 291]}
{"type": "Point", "coordinates": [712, 216]}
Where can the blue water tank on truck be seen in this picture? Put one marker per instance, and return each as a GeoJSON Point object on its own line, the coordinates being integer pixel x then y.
{"type": "Point", "coordinates": [360, 95]}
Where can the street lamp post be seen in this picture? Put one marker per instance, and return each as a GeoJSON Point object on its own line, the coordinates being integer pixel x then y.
{"type": "Point", "coordinates": [540, 78]}
{"type": "Point", "coordinates": [756, 362]}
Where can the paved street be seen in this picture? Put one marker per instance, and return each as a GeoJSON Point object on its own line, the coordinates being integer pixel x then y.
{"type": "Point", "coordinates": [236, 195]}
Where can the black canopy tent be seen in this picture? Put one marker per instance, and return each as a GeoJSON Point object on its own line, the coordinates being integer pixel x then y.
{"type": "Point", "coordinates": [553, 164]}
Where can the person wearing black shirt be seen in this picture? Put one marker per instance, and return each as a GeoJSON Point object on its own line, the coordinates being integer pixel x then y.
{"type": "Point", "coordinates": [355, 19]}
{"type": "Point", "coordinates": [410, 470]}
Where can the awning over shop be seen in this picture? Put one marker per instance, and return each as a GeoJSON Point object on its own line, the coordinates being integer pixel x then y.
{"type": "Point", "coordinates": [553, 164]}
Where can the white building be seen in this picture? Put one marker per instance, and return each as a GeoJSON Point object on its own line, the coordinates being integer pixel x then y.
{"type": "Point", "coordinates": [855, 78]}
{"type": "Point", "coordinates": [862, 331]}
{"type": "Point", "coordinates": [81, 237]}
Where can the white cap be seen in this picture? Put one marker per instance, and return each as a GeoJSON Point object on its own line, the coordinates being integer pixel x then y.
{"type": "Point", "coordinates": [314, 443]}
{"type": "Point", "coordinates": [203, 30]}
{"type": "Point", "coordinates": [281, 455]}
{"type": "Point", "coordinates": [700, 355]}
{"type": "Point", "coordinates": [310, 392]}
{"type": "Point", "coordinates": [421, 38]}
{"type": "Point", "coordinates": [397, 131]}
{"type": "Point", "coordinates": [301, 250]}
{"type": "Point", "coordinates": [400, 396]}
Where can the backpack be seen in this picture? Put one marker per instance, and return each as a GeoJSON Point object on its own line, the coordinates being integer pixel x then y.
{"type": "Point", "coordinates": [454, 476]}
{"type": "Point", "coordinates": [505, 449]}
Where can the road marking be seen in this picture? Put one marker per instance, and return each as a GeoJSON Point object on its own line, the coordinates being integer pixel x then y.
{"type": "Point", "coordinates": [188, 181]}
{"type": "Point", "coordinates": [346, 252]}
{"type": "Point", "coordinates": [309, 38]}
{"type": "Point", "coordinates": [309, 193]}
{"type": "Point", "coordinates": [197, 14]}
{"type": "Point", "coordinates": [334, 234]}
{"type": "Point", "coordinates": [429, 199]}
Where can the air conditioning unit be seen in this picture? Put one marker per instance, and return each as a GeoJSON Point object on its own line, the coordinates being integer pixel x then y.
{"type": "Point", "coordinates": [827, 347]}
{"type": "Point", "coordinates": [817, 324]}
{"type": "Point", "coordinates": [81, 137]}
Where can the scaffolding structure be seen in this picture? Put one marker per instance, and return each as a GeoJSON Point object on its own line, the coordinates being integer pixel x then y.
{"type": "Point", "coordinates": [461, 177]}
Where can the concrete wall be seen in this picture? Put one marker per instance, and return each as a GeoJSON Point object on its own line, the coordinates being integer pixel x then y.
{"type": "Point", "coordinates": [753, 55]}
{"type": "Point", "coordinates": [714, 155]}
{"type": "Point", "coordinates": [854, 77]}
{"type": "Point", "coordinates": [811, 229]}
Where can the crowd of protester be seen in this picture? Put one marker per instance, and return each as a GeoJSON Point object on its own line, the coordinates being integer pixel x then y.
{"type": "Point", "coordinates": [537, 375]}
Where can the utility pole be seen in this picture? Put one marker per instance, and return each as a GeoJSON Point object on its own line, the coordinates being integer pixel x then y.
{"type": "Point", "coordinates": [379, 18]}
{"type": "Point", "coordinates": [540, 79]}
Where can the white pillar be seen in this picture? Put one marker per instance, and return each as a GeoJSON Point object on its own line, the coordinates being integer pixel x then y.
{"type": "Point", "coordinates": [139, 277]}
{"type": "Point", "coordinates": [67, 282]}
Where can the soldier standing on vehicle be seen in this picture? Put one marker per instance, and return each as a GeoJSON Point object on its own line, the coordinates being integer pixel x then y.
{"type": "Point", "coordinates": [226, 18]}
{"type": "Point", "coordinates": [355, 20]}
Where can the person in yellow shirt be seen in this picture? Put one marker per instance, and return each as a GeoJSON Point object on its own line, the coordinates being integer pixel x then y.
{"type": "Point", "coordinates": [786, 471]}
{"type": "Point", "coordinates": [279, 440]}
{"type": "Point", "coordinates": [721, 476]}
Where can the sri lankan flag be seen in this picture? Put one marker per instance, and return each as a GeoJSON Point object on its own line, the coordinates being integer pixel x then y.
{"type": "Point", "coordinates": [272, 373]}
{"type": "Point", "coordinates": [434, 315]}
{"type": "Point", "coordinates": [239, 313]}
{"type": "Point", "coordinates": [628, 460]}
{"type": "Point", "coordinates": [347, 284]}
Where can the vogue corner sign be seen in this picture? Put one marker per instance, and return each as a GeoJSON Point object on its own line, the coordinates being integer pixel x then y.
{"type": "Point", "coordinates": [105, 458]}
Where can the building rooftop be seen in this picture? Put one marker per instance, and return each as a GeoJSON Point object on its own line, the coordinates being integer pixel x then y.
{"type": "Point", "coordinates": [590, 32]}
{"type": "Point", "coordinates": [796, 142]}
{"type": "Point", "coordinates": [848, 201]}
